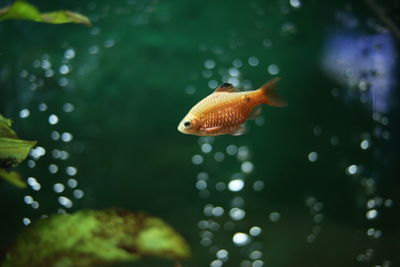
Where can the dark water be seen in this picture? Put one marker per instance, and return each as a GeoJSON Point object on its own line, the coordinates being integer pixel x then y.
{"type": "Point", "coordinates": [318, 178]}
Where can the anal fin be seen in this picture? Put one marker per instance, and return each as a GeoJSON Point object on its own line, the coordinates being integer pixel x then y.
{"type": "Point", "coordinates": [238, 131]}
{"type": "Point", "coordinates": [255, 113]}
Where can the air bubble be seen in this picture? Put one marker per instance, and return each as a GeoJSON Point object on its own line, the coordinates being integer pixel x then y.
{"type": "Point", "coordinates": [240, 239]}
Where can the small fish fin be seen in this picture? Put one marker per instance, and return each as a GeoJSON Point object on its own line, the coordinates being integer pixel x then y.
{"type": "Point", "coordinates": [238, 131]}
{"type": "Point", "coordinates": [270, 94]}
{"type": "Point", "coordinates": [226, 87]}
{"type": "Point", "coordinates": [255, 113]}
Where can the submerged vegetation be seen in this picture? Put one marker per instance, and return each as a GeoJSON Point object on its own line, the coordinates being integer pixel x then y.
{"type": "Point", "coordinates": [23, 10]}
{"type": "Point", "coordinates": [12, 152]}
{"type": "Point", "coordinates": [93, 238]}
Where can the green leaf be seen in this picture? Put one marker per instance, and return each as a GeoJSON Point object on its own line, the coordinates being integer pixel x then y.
{"type": "Point", "coordinates": [12, 149]}
{"type": "Point", "coordinates": [25, 11]}
{"type": "Point", "coordinates": [65, 16]}
{"type": "Point", "coordinates": [93, 238]}
{"type": "Point", "coordinates": [12, 177]}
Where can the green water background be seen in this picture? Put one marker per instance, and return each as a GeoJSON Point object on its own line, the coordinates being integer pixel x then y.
{"type": "Point", "coordinates": [129, 99]}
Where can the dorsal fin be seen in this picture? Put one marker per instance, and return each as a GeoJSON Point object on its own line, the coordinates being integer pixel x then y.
{"type": "Point", "coordinates": [226, 87]}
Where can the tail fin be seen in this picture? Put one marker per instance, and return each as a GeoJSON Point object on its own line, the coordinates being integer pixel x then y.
{"type": "Point", "coordinates": [270, 96]}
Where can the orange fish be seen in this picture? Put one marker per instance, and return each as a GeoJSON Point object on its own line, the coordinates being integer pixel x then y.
{"type": "Point", "coordinates": [226, 109]}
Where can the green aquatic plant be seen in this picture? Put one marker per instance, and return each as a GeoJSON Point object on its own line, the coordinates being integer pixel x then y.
{"type": "Point", "coordinates": [93, 238]}
{"type": "Point", "coordinates": [12, 152]}
{"type": "Point", "coordinates": [24, 11]}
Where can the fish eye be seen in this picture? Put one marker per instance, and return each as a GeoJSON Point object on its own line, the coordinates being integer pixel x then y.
{"type": "Point", "coordinates": [187, 124]}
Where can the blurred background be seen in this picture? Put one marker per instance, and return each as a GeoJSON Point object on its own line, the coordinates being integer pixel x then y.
{"type": "Point", "coordinates": [312, 184]}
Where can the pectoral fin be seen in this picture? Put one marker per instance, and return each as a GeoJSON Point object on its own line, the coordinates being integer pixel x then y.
{"type": "Point", "coordinates": [211, 130]}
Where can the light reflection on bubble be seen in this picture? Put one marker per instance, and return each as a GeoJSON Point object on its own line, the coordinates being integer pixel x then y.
{"type": "Point", "coordinates": [26, 221]}
{"type": "Point", "coordinates": [237, 214]}
{"type": "Point", "coordinates": [53, 119]}
{"type": "Point", "coordinates": [69, 53]}
{"type": "Point", "coordinates": [236, 185]}
{"type": "Point", "coordinates": [201, 185]}
{"type": "Point", "coordinates": [255, 231]}
{"type": "Point", "coordinates": [64, 69]}
{"type": "Point", "coordinates": [203, 224]}
{"type": "Point", "coordinates": [78, 193]}
{"type": "Point", "coordinates": [258, 185]}
{"type": "Point", "coordinates": [35, 205]}
{"type": "Point", "coordinates": [253, 61]}
{"type": "Point", "coordinates": [352, 169]}
{"type": "Point", "coordinates": [257, 263]}
{"type": "Point", "coordinates": [93, 50]}
{"type": "Point", "coordinates": [372, 214]}
{"type": "Point", "coordinates": [216, 263]}
{"type": "Point", "coordinates": [247, 167]}
{"type": "Point", "coordinates": [24, 113]}
{"type": "Point", "coordinates": [222, 254]}
{"type": "Point", "coordinates": [208, 209]}
{"type": "Point", "coordinates": [28, 199]}
{"type": "Point", "coordinates": [240, 239]}
{"type": "Point", "coordinates": [274, 216]}
{"type": "Point", "coordinates": [334, 140]}
{"type": "Point", "coordinates": [273, 69]}
{"type": "Point", "coordinates": [209, 64]}
{"type": "Point", "coordinates": [218, 211]}
{"type": "Point", "coordinates": [234, 72]}
{"type": "Point", "coordinates": [66, 137]}
{"type": "Point", "coordinates": [388, 203]}
{"type": "Point", "coordinates": [312, 156]}
{"type": "Point", "coordinates": [68, 107]}
{"type": "Point", "coordinates": [63, 82]}
{"type": "Point", "coordinates": [219, 156]}
{"type": "Point", "coordinates": [212, 84]}
{"type": "Point", "coordinates": [42, 107]}
{"type": "Point", "coordinates": [37, 152]}
{"type": "Point", "coordinates": [237, 63]}
{"type": "Point", "coordinates": [371, 203]}
{"type": "Point", "coordinates": [243, 153]}
{"type": "Point", "coordinates": [255, 255]}
{"type": "Point", "coordinates": [109, 43]}
{"type": "Point", "coordinates": [72, 183]}
{"type": "Point", "coordinates": [71, 171]}
{"type": "Point", "coordinates": [197, 159]}
{"type": "Point", "coordinates": [295, 3]}
{"type": "Point", "coordinates": [53, 168]}
{"type": "Point", "coordinates": [231, 150]}
{"type": "Point", "coordinates": [364, 144]}
{"type": "Point", "coordinates": [234, 81]}
{"type": "Point", "coordinates": [206, 148]}
{"type": "Point", "coordinates": [58, 188]}
{"type": "Point", "coordinates": [64, 201]}
{"type": "Point", "coordinates": [49, 73]}
{"type": "Point", "coordinates": [202, 176]}
{"type": "Point", "coordinates": [31, 163]}
{"type": "Point", "coordinates": [64, 155]}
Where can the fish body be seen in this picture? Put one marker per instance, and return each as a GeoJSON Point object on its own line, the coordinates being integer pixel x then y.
{"type": "Point", "coordinates": [226, 109]}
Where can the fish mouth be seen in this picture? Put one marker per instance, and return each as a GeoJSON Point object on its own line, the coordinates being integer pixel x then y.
{"type": "Point", "coordinates": [181, 128]}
